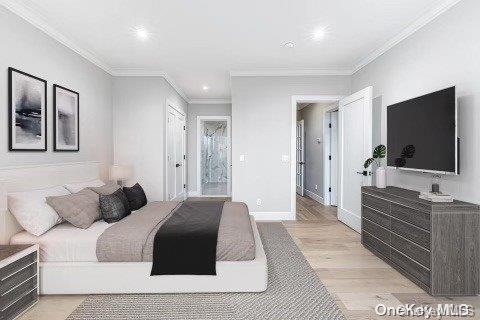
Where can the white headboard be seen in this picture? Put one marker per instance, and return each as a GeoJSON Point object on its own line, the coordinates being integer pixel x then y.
{"type": "Point", "coordinates": [37, 177]}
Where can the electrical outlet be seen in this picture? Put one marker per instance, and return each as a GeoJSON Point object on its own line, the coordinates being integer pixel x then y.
{"type": "Point", "coordinates": [259, 202]}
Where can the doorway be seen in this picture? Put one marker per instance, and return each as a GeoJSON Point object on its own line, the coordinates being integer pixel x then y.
{"type": "Point", "coordinates": [175, 153]}
{"type": "Point", "coordinates": [213, 156]}
{"type": "Point", "coordinates": [353, 140]}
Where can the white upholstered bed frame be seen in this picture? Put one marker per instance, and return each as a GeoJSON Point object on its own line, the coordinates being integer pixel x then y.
{"type": "Point", "coordinates": [117, 277]}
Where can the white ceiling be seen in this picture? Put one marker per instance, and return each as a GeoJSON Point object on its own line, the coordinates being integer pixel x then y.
{"type": "Point", "coordinates": [196, 43]}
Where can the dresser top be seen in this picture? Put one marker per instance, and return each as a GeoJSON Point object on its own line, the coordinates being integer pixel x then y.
{"type": "Point", "coordinates": [410, 196]}
{"type": "Point", "coordinates": [7, 251]}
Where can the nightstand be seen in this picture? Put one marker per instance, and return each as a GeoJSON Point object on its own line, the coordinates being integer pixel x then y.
{"type": "Point", "coordinates": [18, 279]}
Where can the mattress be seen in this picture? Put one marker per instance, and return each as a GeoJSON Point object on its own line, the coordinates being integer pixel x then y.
{"type": "Point", "coordinates": [65, 242]}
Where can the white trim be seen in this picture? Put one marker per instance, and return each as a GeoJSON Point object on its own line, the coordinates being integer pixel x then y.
{"type": "Point", "coordinates": [326, 152]}
{"type": "Point", "coordinates": [291, 72]}
{"type": "Point", "coordinates": [37, 20]}
{"type": "Point", "coordinates": [350, 220]}
{"type": "Point", "coordinates": [134, 277]}
{"type": "Point", "coordinates": [274, 216]}
{"type": "Point", "coordinates": [299, 99]}
{"type": "Point", "coordinates": [314, 196]}
{"type": "Point", "coordinates": [169, 104]}
{"type": "Point", "coordinates": [425, 19]}
{"type": "Point", "coordinates": [228, 119]}
{"type": "Point", "coordinates": [210, 101]}
{"type": "Point", "coordinates": [143, 72]}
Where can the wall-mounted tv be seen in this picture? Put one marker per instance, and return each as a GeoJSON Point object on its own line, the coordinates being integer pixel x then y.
{"type": "Point", "coordinates": [422, 133]}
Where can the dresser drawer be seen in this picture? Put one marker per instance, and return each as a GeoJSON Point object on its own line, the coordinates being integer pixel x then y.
{"type": "Point", "coordinates": [415, 217]}
{"type": "Point", "coordinates": [375, 203]}
{"type": "Point", "coordinates": [375, 244]}
{"type": "Point", "coordinates": [17, 265]}
{"type": "Point", "coordinates": [20, 305]}
{"type": "Point", "coordinates": [411, 267]}
{"type": "Point", "coordinates": [376, 230]}
{"type": "Point", "coordinates": [412, 233]}
{"type": "Point", "coordinates": [18, 277]}
{"type": "Point", "coordinates": [376, 216]}
{"type": "Point", "coordinates": [411, 250]}
{"type": "Point", "coordinates": [15, 293]}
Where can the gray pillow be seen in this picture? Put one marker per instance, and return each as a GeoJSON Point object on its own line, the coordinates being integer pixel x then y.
{"type": "Point", "coordinates": [107, 189]}
{"type": "Point", "coordinates": [114, 207]}
{"type": "Point", "coordinates": [80, 209]}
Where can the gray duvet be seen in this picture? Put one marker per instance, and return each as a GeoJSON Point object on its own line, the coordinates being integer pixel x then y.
{"type": "Point", "coordinates": [131, 239]}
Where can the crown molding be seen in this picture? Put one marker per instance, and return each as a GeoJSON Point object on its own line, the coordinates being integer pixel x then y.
{"type": "Point", "coordinates": [407, 32]}
{"type": "Point", "coordinates": [144, 72]}
{"type": "Point", "coordinates": [210, 101]}
{"type": "Point", "coordinates": [291, 72]}
{"type": "Point", "coordinates": [40, 22]}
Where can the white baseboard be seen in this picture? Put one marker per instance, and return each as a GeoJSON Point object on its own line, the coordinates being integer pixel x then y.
{"type": "Point", "coordinates": [350, 219]}
{"type": "Point", "coordinates": [273, 216]}
{"type": "Point", "coordinates": [314, 196]}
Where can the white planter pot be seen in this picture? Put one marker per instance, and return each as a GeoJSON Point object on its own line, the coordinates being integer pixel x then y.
{"type": "Point", "coordinates": [381, 178]}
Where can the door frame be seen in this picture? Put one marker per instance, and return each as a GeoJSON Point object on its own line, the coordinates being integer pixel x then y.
{"type": "Point", "coordinates": [326, 152]}
{"type": "Point", "coordinates": [302, 168]}
{"type": "Point", "coordinates": [293, 136]}
{"type": "Point", "coordinates": [172, 105]}
{"type": "Point", "coordinates": [229, 154]}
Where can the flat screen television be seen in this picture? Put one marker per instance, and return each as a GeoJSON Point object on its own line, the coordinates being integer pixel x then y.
{"type": "Point", "coordinates": [422, 133]}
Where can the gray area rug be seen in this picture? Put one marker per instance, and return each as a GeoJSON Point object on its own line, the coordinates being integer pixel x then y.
{"type": "Point", "coordinates": [294, 292]}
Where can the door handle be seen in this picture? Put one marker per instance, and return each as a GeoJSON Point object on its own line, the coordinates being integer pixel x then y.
{"type": "Point", "coordinates": [363, 173]}
{"type": "Point", "coordinates": [177, 165]}
{"type": "Point", "coordinates": [301, 162]}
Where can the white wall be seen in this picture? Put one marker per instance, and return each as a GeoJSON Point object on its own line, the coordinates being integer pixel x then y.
{"type": "Point", "coordinates": [26, 48]}
{"type": "Point", "coordinates": [261, 129]}
{"type": "Point", "coordinates": [195, 110]}
{"type": "Point", "coordinates": [139, 129]}
{"type": "Point", "coordinates": [312, 116]}
{"type": "Point", "coordinates": [445, 52]}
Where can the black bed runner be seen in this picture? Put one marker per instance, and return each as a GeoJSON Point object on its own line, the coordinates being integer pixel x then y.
{"type": "Point", "coordinates": [187, 242]}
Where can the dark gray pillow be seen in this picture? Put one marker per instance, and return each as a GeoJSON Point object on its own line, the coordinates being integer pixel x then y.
{"type": "Point", "coordinates": [136, 196]}
{"type": "Point", "coordinates": [114, 207]}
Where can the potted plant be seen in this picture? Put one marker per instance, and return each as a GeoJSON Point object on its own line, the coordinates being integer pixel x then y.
{"type": "Point", "coordinates": [380, 176]}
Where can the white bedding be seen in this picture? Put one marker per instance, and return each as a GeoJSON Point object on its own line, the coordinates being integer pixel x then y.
{"type": "Point", "coordinates": [65, 242]}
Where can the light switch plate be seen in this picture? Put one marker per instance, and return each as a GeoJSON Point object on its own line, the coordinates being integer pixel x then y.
{"type": "Point", "coordinates": [285, 158]}
{"type": "Point", "coordinates": [242, 158]}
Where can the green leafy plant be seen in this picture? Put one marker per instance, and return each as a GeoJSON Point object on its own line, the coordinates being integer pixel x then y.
{"type": "Point", "coordinates": [378, 153]}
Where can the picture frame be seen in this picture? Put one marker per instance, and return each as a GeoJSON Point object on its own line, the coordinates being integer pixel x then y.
{"type": "Point", "coordinates": [66, 119]}
{"type": "Point", "coordinates": [27, 112]}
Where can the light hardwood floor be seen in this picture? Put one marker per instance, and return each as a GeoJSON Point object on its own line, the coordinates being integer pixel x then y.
{"type": "Point", "coordinates": [356, 278]}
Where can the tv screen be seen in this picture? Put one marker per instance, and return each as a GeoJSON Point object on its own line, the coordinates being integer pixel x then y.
{"type": "Point", "coordinates": [421, 133]}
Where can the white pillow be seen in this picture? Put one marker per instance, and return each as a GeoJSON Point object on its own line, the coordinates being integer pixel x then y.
{"type": "Point", "coordinates": [76, 187]}
{"type": "Point", "coordinates": [32, 211]}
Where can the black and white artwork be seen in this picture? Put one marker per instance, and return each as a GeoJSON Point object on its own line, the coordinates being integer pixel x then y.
{"type": "Point", "coordinates": [27, 110]}
{"type": "Point", "coordinates": [66, 131]}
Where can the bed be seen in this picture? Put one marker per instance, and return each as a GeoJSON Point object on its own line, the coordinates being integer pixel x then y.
{"type": "Point", "coordinates": [72, 263]}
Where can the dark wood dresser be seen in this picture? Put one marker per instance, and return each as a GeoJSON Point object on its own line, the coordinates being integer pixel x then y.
{"type": "Point", "coordinates": [18, 279]}
{"type": "Point", "coordinates": [436, 245]}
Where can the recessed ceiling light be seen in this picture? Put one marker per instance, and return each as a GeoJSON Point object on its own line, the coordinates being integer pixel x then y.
{"type": "Point", "coordinates": [289, 44]}
{"type": "Point", "coordinates": [205, 88]}
{"type": "Point", "coordinates": [319, 34]}
{"type": "Point", "coordinates": [142, 33]}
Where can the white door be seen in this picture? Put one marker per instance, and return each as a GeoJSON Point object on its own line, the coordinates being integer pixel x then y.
{"type": "Point", "coordinates": [333, 157]}
{"type": "Point", "coordinates": [300, 155]}
{"type": "Point", "coordinates": [175, 155]}
{"type": "Point", "coordinates": [355, 145]}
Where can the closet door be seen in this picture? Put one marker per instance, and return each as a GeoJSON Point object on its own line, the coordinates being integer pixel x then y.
{"type": "Point", "coordinates": [176, 163]}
